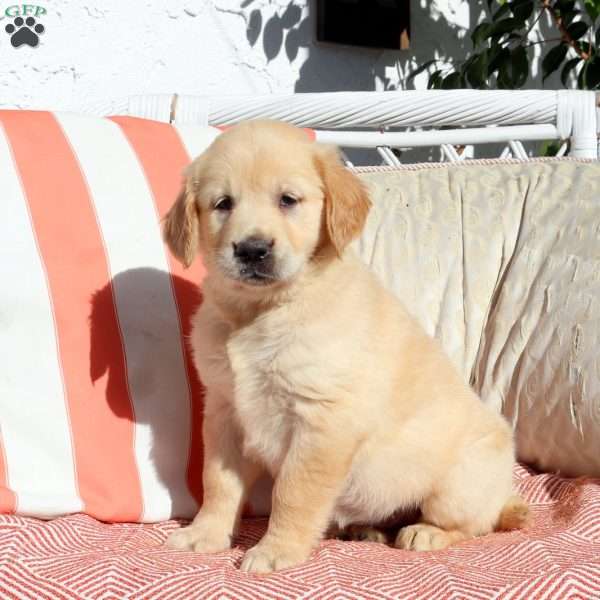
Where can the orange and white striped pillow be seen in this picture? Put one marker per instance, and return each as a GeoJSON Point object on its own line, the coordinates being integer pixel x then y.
{"type": "Point", "coordinates": [100, 407]}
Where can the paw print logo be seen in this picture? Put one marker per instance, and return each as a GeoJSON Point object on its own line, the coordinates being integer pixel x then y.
{"type": "Point", "coordinates": [24, 31]}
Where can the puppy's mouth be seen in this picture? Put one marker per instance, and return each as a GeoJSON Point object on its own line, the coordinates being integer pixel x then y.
{"type": "Point", "coordinates": [255, 276]}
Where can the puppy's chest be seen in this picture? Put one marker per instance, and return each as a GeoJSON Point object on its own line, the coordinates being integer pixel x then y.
{"type": "Point", "coordinates": [266, 391]}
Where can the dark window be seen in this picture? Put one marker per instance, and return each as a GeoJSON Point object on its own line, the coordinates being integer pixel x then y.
{"type": "Point", "coordinates": [372, 23]}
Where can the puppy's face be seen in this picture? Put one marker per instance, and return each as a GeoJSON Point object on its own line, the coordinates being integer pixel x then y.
{"type": "Point", "coordinates": [261, 202]}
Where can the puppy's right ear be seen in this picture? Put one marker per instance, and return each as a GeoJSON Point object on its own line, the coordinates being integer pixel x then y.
{"type": "Point", "coordinates": [181, 226]}
{"type": "Point", "coordinates": [347, 202]}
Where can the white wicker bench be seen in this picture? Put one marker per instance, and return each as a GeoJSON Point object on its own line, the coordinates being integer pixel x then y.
{"type": "Point", "coordinates": [411, 119]}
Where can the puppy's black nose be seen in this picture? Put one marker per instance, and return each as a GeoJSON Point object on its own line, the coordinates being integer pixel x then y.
{"type": "Point", "coordinates": [253, 250]}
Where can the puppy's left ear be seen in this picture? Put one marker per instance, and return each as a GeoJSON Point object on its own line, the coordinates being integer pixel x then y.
{"type": "Point", "coordinates": [347, 201]}
{"type": "Point", "coordinates": [181, 226]}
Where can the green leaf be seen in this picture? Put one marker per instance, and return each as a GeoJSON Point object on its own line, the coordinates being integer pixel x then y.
{"type": "Point", "coordinates": [468, 63]}
{"type": "Point", "coordinates": [503, 81]}
{"type": "Point", "coordinates": [503, 10]}
{"type": "Point", "coordinates": [506, 26]}
{"type": "Point", "coordinates": [496, 58]}
{"type": "Point", "coordinates": [567, 68]}
{"type": "Point", "coordinates": [585, 47]}
{"type": "Point", "coordinates": [564, 5]}
{"type": "Point", "coordinates": [578, 29]}
{"type": "Point", "coordinates": [552, 60]}
{"type": "Point", "coordinates": [435, 80]}
{"type": "Point", "coordinates": [420, 69]}
{"type": "Point", "coordinates": [567, 17]}
{"type": "Point", "coordinates": [452, 81]}
{"type": "Point", "coordinates": [521, 9]}
{"type": "Point", "coordinates": [481, 33]}
{"type": "Point", "coordinates": [592, 75]}
{"type": "Point", "coordinates": [513, 72]}
{"type": "Point", "coordinates": [592, 7]}
{"type": "Point", "coordinates": [520, 66]}
{"type": "Point", "coordinates": [550, 147]}
{"type": "Point", "coordinates": [505, 75]}
{"type": "Point", "coordinates": [598, 36]}
{"type": "Point", "coordinates": [476, 72]}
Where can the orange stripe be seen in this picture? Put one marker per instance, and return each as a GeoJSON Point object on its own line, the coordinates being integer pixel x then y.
{"type": "Point", "coordinates": [163, 158]}
{"type": "Point", "coordinates": [98, 400]}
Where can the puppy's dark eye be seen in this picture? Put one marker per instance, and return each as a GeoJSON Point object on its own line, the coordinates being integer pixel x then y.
{"type": "Point", "coordinates": [286, 201]}
{"type": "Point", "coordinates": [224, 204]}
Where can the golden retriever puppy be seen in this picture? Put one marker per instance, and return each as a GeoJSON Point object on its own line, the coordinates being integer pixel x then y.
{"type": "Point", "coordinates": [314, 371]}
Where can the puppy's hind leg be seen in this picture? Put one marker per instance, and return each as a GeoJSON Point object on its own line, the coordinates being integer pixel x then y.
{"type": "Point", "coordinates": [473, 498]}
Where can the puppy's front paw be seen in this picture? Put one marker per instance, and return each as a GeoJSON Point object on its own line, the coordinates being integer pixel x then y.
{"type": "Point", "coordinates": [199, 538]}
{"type": "Point", "coordinates": [266, 557]}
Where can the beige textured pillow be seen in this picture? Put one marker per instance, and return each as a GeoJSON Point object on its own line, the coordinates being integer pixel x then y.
{"type": "Point", "coordinates": [501, 262]}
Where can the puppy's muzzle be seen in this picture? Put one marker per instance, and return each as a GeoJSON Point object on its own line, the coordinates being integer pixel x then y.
{"type": "Point", "coordinates": [256, 259]}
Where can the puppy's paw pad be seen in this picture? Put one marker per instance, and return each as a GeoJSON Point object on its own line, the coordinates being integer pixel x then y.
{"type": "Point", "coordinates": [423, 538]}
{"type": "Point", "coordinates": [265, 560]}
{"type": "Point", "coordinates": [197, 539]}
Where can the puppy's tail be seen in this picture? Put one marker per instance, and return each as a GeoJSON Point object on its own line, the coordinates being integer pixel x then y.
{"type": "Point", "coordinates": [514, 515]}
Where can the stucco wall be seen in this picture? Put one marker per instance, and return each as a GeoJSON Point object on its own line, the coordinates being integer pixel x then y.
{"type": "Point", "coordinates": [92, 51]}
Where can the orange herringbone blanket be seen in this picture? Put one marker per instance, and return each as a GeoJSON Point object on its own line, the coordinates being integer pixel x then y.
{"type": "Point", "coordinates": [557, 557]}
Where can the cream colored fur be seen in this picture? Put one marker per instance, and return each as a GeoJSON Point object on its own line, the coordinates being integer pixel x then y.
{"type": "Point", "coordinates": [320, 376]}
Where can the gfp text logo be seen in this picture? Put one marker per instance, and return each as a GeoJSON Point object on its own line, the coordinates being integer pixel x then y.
{"type": "Point", "coordinates": [25, 10]}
